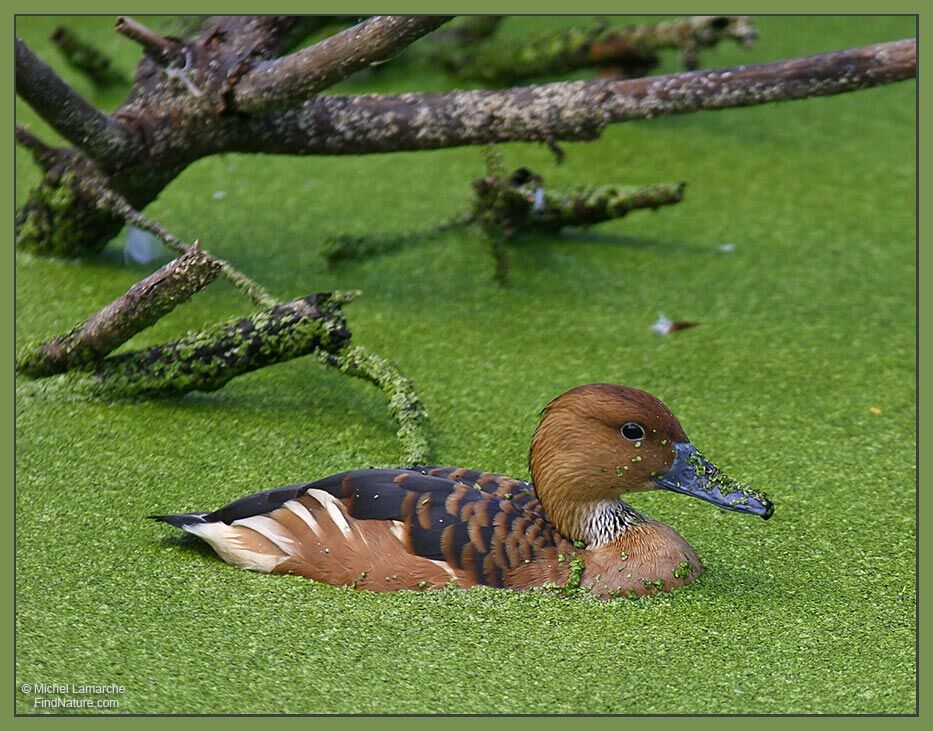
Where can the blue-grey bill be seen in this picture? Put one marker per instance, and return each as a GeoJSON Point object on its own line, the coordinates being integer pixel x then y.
{"type": "Point", "coordinates": [693, 474]}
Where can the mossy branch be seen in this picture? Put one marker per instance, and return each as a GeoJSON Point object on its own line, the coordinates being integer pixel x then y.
{"type": "Point", "coordinates": [138, 308]}
{"type": "Point", "coordinates": [208, 359]}
{"type": "Point", "coordinates": [506, 206]}
{"type": "Point", "coordinates": [85, 58]}
{"type": "Point", "coordinates": [630, 51]}
{"type": "Point", "coordinates": [523, 203]}
{"type": "Point", "coordinates": [404, 402]}
{"type": "Point", "coordinates": [43, 155]}
{"type": "Point", "coordinates": [469, 29]}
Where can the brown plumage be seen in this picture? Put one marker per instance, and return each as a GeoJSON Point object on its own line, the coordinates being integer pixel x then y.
{"type": "Point", "coordinates": [431, 527]}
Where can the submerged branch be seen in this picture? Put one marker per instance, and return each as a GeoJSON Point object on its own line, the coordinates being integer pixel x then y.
{"type": "Point", "coordinates": [141, 306]}
{"type": "Point", "coordinates": [344, 247]}
{"type": "Point", "coordinates": [579, 110]}
{"type": "Point", "coordinates": [291, 79]}
{"type": "Point", "coordinates": [507, 207]}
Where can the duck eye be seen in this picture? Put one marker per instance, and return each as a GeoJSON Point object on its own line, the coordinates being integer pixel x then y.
{"type": "Point", "coordinates": [632, 431]}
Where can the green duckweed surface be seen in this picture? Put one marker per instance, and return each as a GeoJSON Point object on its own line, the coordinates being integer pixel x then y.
{"type": "Point", "coordinates": [800, 379]}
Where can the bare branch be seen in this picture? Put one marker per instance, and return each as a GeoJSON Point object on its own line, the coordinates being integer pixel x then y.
{"type": "Point", "coordinates": [293, 78]}
{"type": "Point", "coordinates": [258, 36]}
{"type": "Point", "coordinates": [132, 312]}
{"type": "Point", "coordinates": [109, 200]}
{"type": "Point", "coordinates": [99, 136]}
{"type": "Point", "coordinates": [336, 125]}
{"type": "Point", "coordinates": [159, 47]}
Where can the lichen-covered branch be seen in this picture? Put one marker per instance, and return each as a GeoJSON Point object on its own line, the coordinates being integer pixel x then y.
{"type": "Point", "coordinates": [84, 57]}
{"type": "Point", "coordinates": [579, 110]}
{"type": "Point", "coordinates": [630, 51]}
{"type": "Point", "coordinates": [404, 402]}
{"type": "Point", "coordinates": [524, 203]}
{"type": "Point", "coordinates": [140, 306]}
{"type": "Point", "coordinates": [208, 359]}
{"type": "Point", "coordinates": [290, 79]}
{"type": "Point", "coordinates": [99, 136]}
{"type": "Point", "coordinates": [505, 207]}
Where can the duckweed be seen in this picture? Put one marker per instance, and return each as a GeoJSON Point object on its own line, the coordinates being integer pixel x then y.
{"type": "Point", "coordinates": [575, 575]}
{"type": "Point", "coordinates": [682, 570]}
{"type": "Point", "coordinates": [808, 321]}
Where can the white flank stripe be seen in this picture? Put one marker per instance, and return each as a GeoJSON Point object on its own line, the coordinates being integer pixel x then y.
{"type": "Point", "coordinates": [445, 566]}
{"type": "Point", "coordinates": [224, 540]}
{"type": "Point", "coordinates": [302, 512]}
{"type": "Point", "coordinates": [398, 530]}
{"type": "Point", "coordinates": [334, 509]}
{"type": "Point", "coordinates": [268, 528]}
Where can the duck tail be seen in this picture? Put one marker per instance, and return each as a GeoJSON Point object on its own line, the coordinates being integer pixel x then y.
{"type": "Point", "coordinates": [181, 520]}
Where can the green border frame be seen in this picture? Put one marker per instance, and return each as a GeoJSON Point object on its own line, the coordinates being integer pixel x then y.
{"type": "Point", "coordinates": [594, 7]}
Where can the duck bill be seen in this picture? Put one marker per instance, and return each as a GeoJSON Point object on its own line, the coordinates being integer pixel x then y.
{"type": "Point", "coordinates": [693, 474]}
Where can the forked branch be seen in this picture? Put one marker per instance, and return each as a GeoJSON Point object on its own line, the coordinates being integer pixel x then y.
{"type": "Point", "coordinates": [140, 306]}
{"type": "Point", "coordinates": [292, 79]}
{"type": "Point", "coordinates": [578, 110]}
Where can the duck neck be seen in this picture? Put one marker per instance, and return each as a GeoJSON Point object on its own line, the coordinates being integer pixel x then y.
{"type": "Point", "coordinates": [606, 520]}
{"type": "Point", "coordinates": [595, 523]}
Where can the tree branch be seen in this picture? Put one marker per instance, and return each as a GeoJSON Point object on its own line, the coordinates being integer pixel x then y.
{"type": "Point", "coordinates": [84, 57]}
{"type": "Point", "coordinates": [132, 312]}
{"type": "Point", "coordinates": [44, 155]}
{"type": "Point", "coordinates": [208, 359]}
{"type": "Point", "coordinates": [99, 136]}
{"type": "Point", "coordinates": [293, 78]}
{"type": "Point", "coordinates": [631, 50]}
{"type": "Point", "coordinates": [109, 200]}
{"type": "Point", "coordinates": [159, 47]}
{"type": "Point", "coordinates": [339, 125]}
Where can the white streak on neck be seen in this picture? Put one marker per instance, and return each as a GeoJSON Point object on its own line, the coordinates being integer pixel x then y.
{"type": "Point", "coordinates": [606, 520]}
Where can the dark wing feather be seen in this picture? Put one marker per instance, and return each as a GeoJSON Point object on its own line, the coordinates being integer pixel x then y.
{"type": "Point", "coordinates": [521, 493]}
{"type": "Point", "coordinates": [482, 523]}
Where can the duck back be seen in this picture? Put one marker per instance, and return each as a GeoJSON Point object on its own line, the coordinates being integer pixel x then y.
{"type": "Point", "coordinates": [383, 530]}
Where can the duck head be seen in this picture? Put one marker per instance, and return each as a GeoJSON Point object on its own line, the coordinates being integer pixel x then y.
{"type": "Point", "coordinates": [597, 442]}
